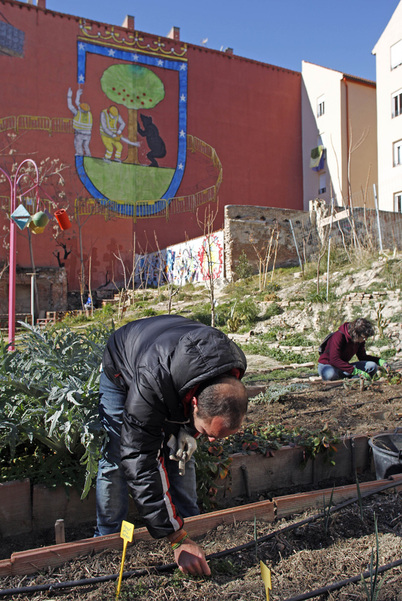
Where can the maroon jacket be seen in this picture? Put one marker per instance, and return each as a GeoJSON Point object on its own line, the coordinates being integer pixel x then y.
{"type": "Point", "coordinates": [340, 349]}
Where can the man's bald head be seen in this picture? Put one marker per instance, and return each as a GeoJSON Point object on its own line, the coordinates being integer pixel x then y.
{"type": "Point", "coordinates": [224, 396]}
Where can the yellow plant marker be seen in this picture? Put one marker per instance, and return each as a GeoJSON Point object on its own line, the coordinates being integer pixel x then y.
{"type": "Point", "coordinates": [126, 533]}
{"type": "Point", "coordinates": [266, 576]}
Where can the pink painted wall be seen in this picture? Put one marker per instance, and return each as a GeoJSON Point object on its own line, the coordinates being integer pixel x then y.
{"type": "Point", "coordinates": [249, 113]}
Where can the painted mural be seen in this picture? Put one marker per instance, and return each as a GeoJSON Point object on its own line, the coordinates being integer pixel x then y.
{"type": "Point", "coordinates": [128, 122]}
{"type": "Point", "coordinates": [185, 263]}
{"type": "Point", "coordinates": [132, 82]}
{"type": "Point", "coordinates": [136, 121]}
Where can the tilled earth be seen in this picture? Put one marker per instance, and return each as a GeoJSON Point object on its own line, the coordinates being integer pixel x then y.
{"type": "Point", "coordinates": [326, 551]}
{"type": "Point", "coordinates": [307, 557]}
{"type": "Point", "coordinates": [343, 407]}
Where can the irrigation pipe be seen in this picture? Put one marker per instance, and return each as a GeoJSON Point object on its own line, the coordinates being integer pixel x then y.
{"type": "Point", "coordinates": [337, 585]}
{"type": "Point", "coordinates": [171, 566]}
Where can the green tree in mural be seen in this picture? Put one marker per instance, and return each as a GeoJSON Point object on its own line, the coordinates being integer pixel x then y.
{"type": "Point", "coordinates": [135, 87]}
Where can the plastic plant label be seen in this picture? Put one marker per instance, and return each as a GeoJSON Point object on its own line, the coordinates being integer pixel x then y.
{"type": "Point", "coordinates": [266, 577]}
{"type": "Point", "coordinates": [126, 533]}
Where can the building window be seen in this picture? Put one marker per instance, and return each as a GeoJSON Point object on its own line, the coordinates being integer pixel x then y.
{"type": "Point", "coordinates": [398, 202]}
{"type": "Point", "coordinates": [397, 103]}
{"type": "Point", "coordinates": [323, 183]}
{"type": "Point", "coordinates": [396, 55]}
{"type": "Point", "coordinates": [320, 106]}
{"type": "Point", "coordinates": [398, 153]}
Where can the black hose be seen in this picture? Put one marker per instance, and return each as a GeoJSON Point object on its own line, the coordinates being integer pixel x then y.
{"type": "Point", "coordinates": [171, 566]}
{"type": "Point", "coordinates": [337, 585]}
{"type": "Point", "coordinates": [312, 518]}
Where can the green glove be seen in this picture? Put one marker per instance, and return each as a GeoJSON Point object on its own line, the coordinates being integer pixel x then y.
{"type": "Point", "coordinates": [384, 365]}
{"type": "Point", "coordinates": [361, 373]}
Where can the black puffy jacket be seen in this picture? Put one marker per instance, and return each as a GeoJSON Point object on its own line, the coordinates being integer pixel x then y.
{"type": "Point", "coordinates": [158, 361]}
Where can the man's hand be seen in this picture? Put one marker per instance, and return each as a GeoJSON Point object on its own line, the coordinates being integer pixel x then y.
{"type": "Point", "coordinates": [181, 449]}
{"type": "Point", "coordinates": [191, 559]}
{"type": "Point", "coordinates": [186, 445]}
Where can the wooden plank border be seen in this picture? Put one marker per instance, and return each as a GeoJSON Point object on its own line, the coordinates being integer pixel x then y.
{"type": "Point", "coordinates": [35, 560]}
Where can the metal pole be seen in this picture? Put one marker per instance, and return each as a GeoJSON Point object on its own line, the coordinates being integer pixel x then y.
{"type": "Point", "coordinates": [378, 217]}
{"type": "Point", "coordinates": [297, 248]}
{"type": "Point", "coordinates": [33, 298]}
{"type": "Point", "coordinates": [13, 243]}
{"type": "Point", "coordinates": [11, 266]}
{"type": "Point", "coordinates": [12, 271]}
{"type": "Point", "coordinates": [329, 244]}
{"type": "Point", "coordinates": [329, 251]}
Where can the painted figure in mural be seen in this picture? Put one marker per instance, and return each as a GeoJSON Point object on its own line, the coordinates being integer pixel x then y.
{"type": "Point", "coordinates": [82, 123]}
{"type": "Point", "coordinates": [165, 381]}
{"type": "Point", "coordinates": [111, 128]}
{"type": "Point", "coordinates": [151, 134]}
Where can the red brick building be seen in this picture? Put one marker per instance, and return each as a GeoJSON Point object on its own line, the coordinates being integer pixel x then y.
{"type": "Point", "coordinates": [151, 130]}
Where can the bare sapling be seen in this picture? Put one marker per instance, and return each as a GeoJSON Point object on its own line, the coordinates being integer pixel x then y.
{"type": "Point", "coordinates": [206, 224]}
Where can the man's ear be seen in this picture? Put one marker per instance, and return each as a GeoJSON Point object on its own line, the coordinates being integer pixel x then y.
{"type": "Point", "coordinates": [194, 404]}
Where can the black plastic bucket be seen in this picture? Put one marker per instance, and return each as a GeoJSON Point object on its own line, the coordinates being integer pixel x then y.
{"type": "Point", "coordinates": [387, 454]}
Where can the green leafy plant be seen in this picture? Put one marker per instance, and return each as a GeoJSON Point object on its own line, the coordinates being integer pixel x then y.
{"type": "Point", "coordinates": [275, 392]}
{"type": "Point", "coordinates": [265, 440]}
{"type": "Point", "coordinates": [321, 297]}
{"type": "Point", "coordinates": [271, 310]}
{"type": "Point", "coordinates": [213, 459]}
{"type": "Point", "coordinates": [212, 464]}
{"type": "Point", "coordinates": [243, 268]}
{"type": "Point", "coordinates": [49, 398]}
{"type": "Point", "coordinates": [382, 322]}
{"type": "Point", "coordinates": [287, 357]}
{"type": "Point", "coordinates": [296, 339]}
{"type": "Point", "coordinates": [234, 320]}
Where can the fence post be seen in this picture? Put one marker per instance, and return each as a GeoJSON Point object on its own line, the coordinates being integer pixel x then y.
{"type": "Point", "coordinates": [378, 217]}
{"type": "Point", "coordinates": [297, 248]}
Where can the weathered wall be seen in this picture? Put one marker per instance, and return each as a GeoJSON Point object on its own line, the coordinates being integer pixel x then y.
{"type": "Point", "coordinates": [51, 290]}
{"type": "Point", "coordinates": [252, 229]}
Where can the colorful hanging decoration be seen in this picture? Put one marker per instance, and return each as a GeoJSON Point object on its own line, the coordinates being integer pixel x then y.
{"type": "Point", "coordinates": [38, 222]}
{"type": "Point", "coordinates": [62, 219]}
{"type": "Point", "coordinates": [21, 217]}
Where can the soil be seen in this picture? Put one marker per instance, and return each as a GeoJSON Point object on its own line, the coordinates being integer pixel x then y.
{"type": "Point", "coordinates": [342, 407]}
{"type": "Point", "coordinates": [303, 558]}
{"type": "Point", "coordinates": [325, 551]}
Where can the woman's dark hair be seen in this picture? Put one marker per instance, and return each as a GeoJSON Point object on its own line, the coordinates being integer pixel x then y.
{"type": "Point", "coordinates": [213, 399]}
{"type": "Point", "coordinates": [360, 327]}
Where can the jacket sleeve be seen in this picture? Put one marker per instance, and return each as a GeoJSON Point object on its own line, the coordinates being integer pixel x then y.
{"type": "Point", "coordinates": [141, 441]}
{"type": "Point", "coordinates": [362, 355]}
{"type": "Point", "coordinates": [336, 345]}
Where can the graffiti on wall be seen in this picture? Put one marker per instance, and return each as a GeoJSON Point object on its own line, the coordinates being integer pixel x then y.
{"type": "Point", "coordinates": [194, 261]}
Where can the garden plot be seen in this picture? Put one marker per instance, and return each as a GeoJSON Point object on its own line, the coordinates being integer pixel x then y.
{"type": "Point", "coordinates": [302, 557]}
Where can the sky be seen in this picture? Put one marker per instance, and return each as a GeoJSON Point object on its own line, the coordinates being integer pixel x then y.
{"type": "Point", "coordinates": [338, 34]}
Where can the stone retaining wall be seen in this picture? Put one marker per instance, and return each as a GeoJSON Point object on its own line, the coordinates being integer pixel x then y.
{"type": "Point", "coordinates": [249, 229]}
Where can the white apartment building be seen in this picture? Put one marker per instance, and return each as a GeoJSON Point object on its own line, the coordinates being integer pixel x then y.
{"type": "Point", "coordinates": [339, 137]}
{"type": "Point", "coordinates": [388, 53]}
